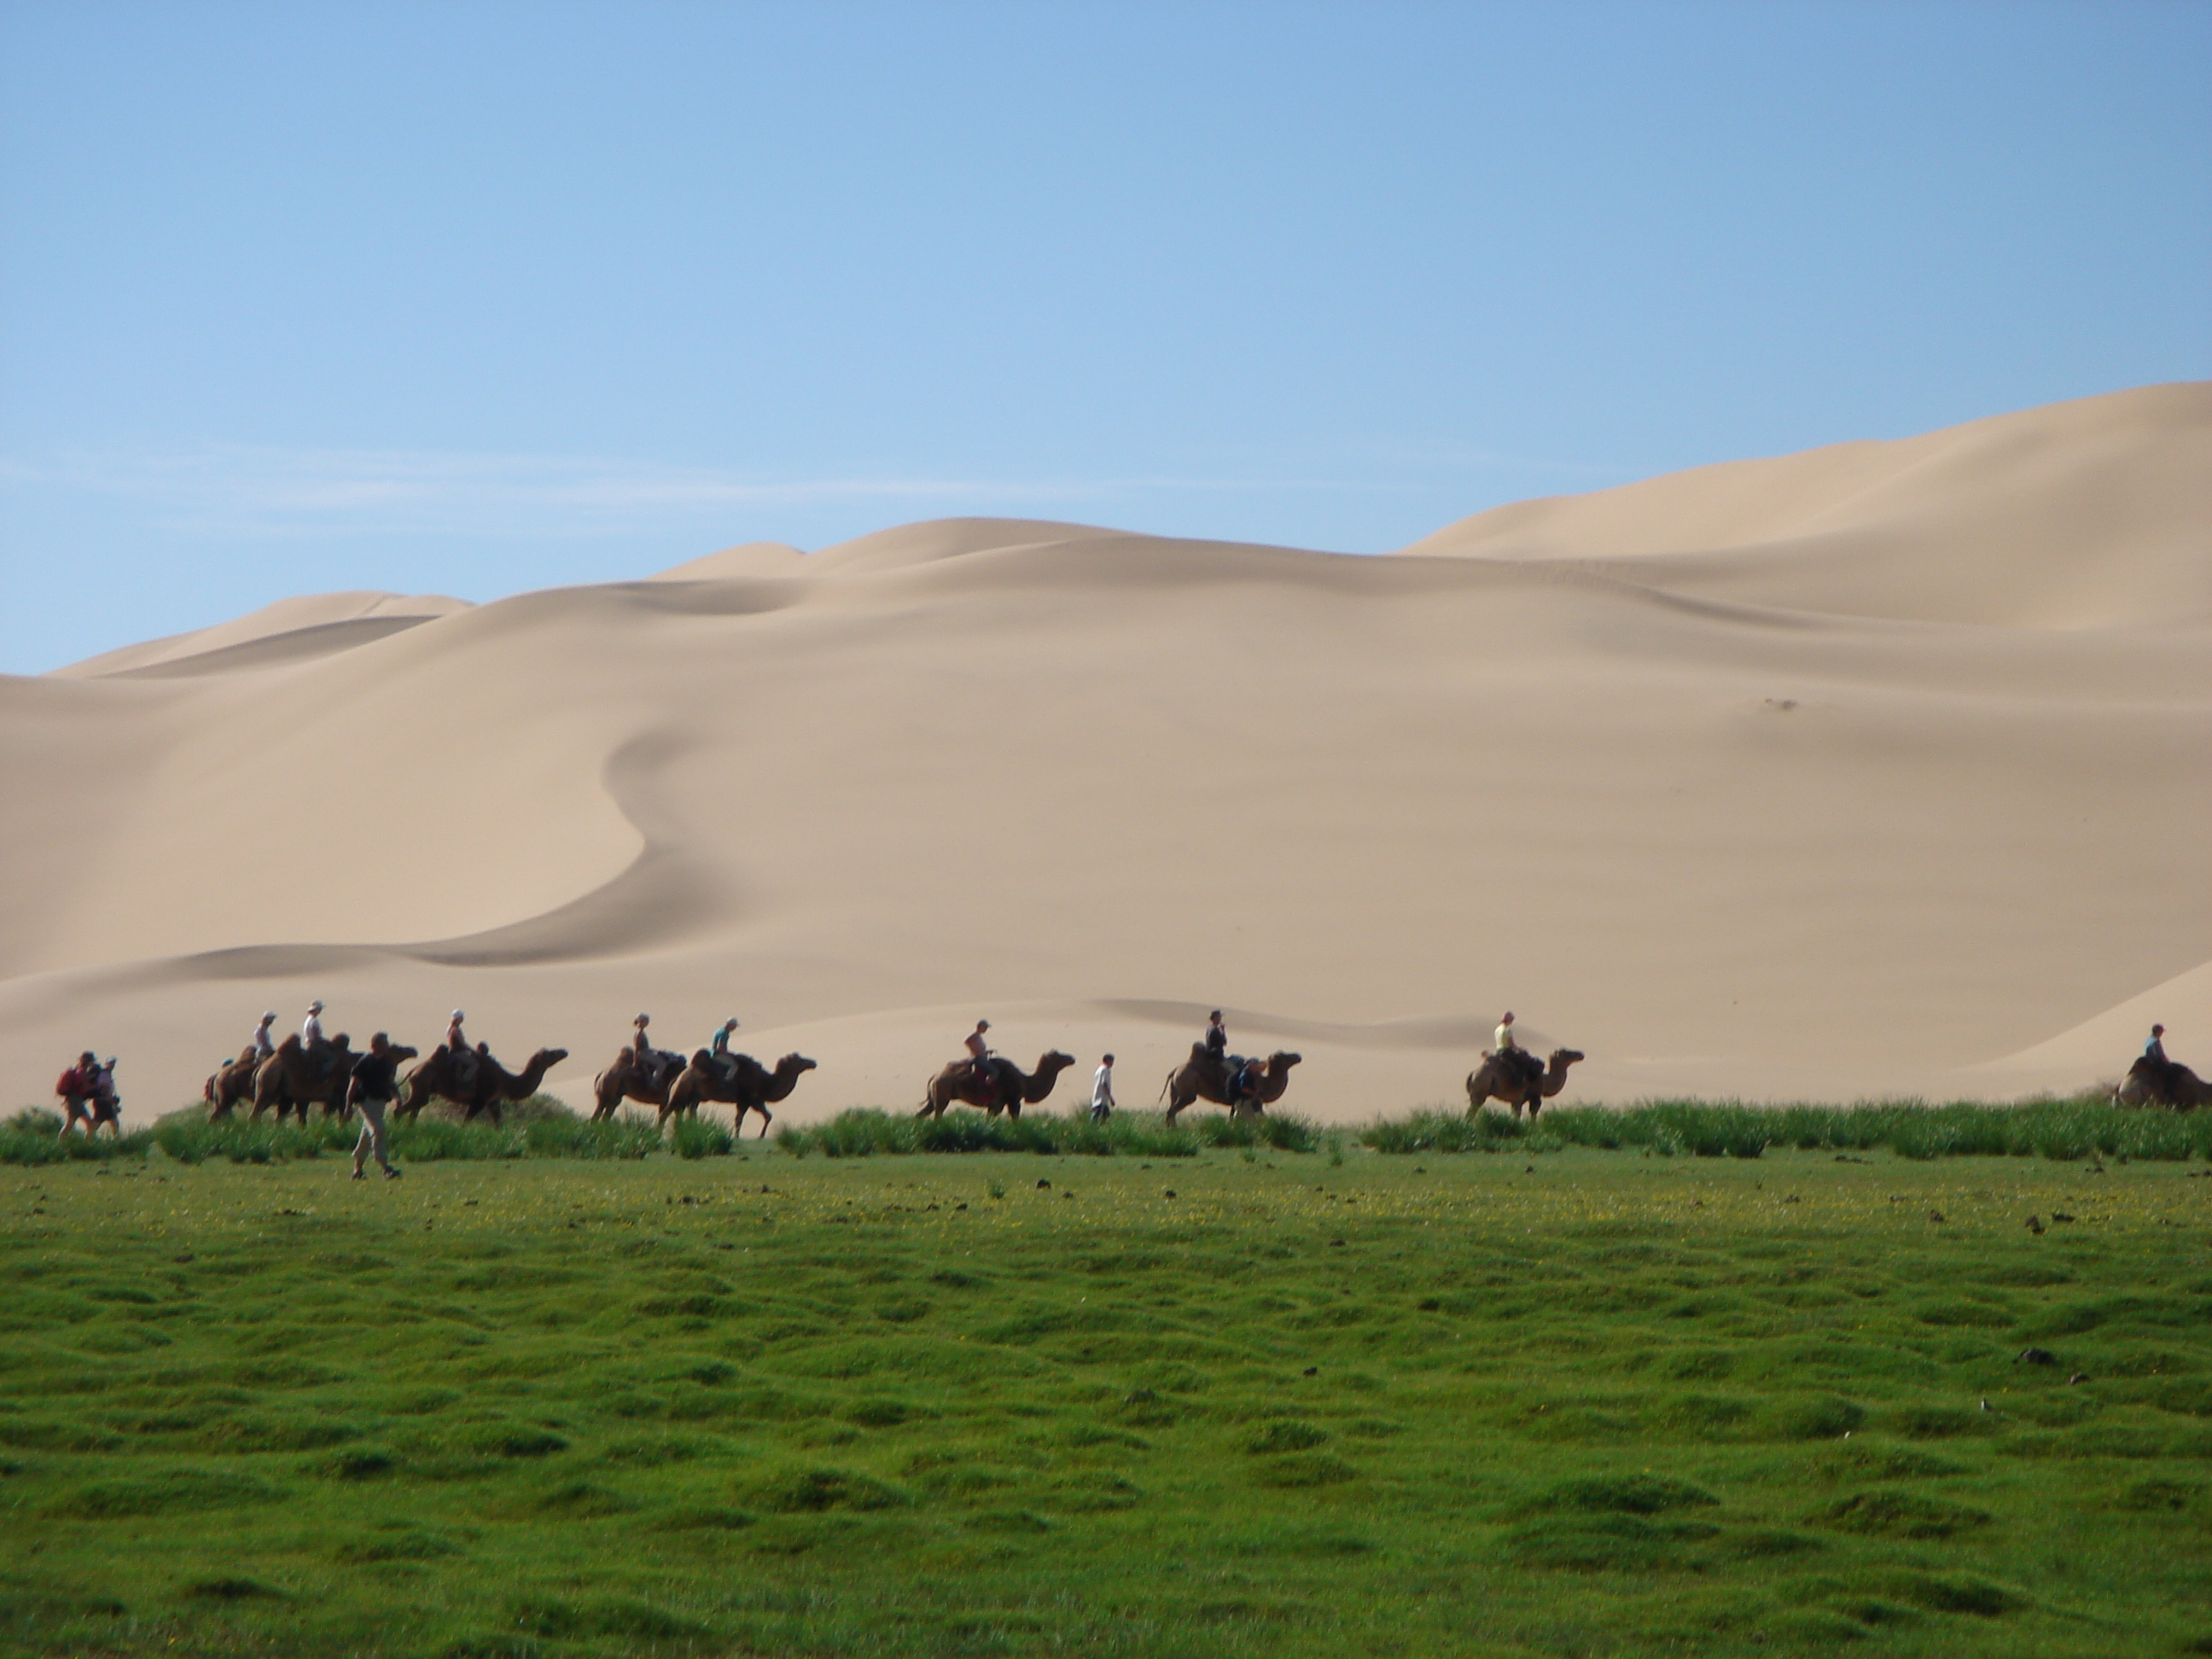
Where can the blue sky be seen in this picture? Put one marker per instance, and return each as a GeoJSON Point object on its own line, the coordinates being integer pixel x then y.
{"type": "Point", "coordinates": [474, 299]}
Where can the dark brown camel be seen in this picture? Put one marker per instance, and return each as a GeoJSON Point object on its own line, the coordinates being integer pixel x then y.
{"type": "Point", "coordinates": [2172, 1084]}
{"type": "Point", "coordinates": [1204, 1078]}
{"type": "Point", "coordinates": [1495, 1080]}
{"type": "Point", "coordinates": [488, 1088]}
{"type": "Point", "coordinates": [233, 1082]}
{"type": "Point", "coordinates": [645, 1082]}
{"type": "Point", "coordinates": [293, 1079]}
{"type": "Point", "coordinates": [1002, 1086]}
{"type": "Point", "coordinates": [740, 1081]}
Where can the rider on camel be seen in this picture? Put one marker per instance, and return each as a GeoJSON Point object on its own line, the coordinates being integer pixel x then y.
{"type": "Point", "coordinates": [1239, 1076]}
{"type": "Point", "coordinates": [263, 1045]}
{"type": "Point", "coordinates": [718, 1047]}
{"type": "Point", "coordinates": [458, 1050]}
{"type": "Point", "coordinates": [1507, 1047]}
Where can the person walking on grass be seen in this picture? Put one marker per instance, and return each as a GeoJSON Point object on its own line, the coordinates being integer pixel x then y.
{"type": "Point", "coordinates": [374, 1085]}
{"type": "Point", "coordinates": [75, 1089]}
{"type": "Point", "coordinates": [1102, 1091]}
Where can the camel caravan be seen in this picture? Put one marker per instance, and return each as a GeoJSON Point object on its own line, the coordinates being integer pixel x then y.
{"type": "Point", "coordinates": [307, 1069]}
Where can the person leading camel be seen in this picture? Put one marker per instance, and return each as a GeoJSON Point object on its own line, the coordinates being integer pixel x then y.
{"type": "Point", "coordinates": [1102, 1091]}
{"type": "Point", "coordinates": [373, 1086]}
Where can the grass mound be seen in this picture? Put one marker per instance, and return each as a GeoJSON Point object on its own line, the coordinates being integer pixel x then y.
{"type": "Point", "coordinates": [35, 1135]}
{"type": "Point", "coordinates": [538, 1127]}
{"type": "Point", "coordinates": [2061, 1130]}
{"type": "Point", "coordinates": [866, 1132]}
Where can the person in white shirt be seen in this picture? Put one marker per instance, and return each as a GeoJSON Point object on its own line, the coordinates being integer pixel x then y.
{"type": "Point", "coordinates": [1507, 1047]}
{"type": "Point", "coordinates": [1102, 1091]}
{"type": "Point", "coordinates": [311, 1029]}
{"type": "Point", "coordinates": [263, 1046]}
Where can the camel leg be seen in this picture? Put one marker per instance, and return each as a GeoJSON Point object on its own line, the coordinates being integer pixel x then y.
{"type": "Point", "coordinates": [767, 1118]}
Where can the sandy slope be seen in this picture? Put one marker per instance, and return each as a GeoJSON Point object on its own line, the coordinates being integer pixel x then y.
{"type": "Point", "coordinates": [1877, 769]}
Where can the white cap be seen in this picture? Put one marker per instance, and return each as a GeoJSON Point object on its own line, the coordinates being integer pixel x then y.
{"type": "Point", "coordinates": [316, 1007]}
{"type": "Point", "coordinates": [457, 1013]}
{"type": "Point", "coordinates": [270, 1015]}
{"type": "Point", "coordinates": [730, 1023]}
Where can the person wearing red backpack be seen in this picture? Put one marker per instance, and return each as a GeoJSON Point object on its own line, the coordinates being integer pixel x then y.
{"type": "Point", "coordinates": [75, 1087]}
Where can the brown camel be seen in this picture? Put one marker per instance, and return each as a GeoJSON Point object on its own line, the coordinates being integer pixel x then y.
{"type": "Point", "coordinates": [1494, 1081]}
{"type": "Point", "coordinates": [293, 1079]}
{"type": "Point", "coordinates": [647, 1083]}
{"type": "Point", "coordinates": [740, 1081]}
{"type": "Point", "coordinates": [490, 1086]}
{"type": "Point", "coordinates": [233, 1082]}
{"type": "Point", "coordinates": [2173, 1084]}
{"type": "Point", "coordinates": [1203, 1078]}
{"type": "Point", "coordinates": [1002, 1087]}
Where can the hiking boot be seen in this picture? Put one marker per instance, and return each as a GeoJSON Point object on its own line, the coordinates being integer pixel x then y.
{"type": "Point", "coordinates": [356, 1175]}
{"type": "Point", "coordinates": [390, 1174]}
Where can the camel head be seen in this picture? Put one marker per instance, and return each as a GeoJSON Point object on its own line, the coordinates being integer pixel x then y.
{"type": "Point", "coordinates": [1281, 1060]}
{"type": "Point", "coordinates": [552, 1057]}
{"type": "Point", "coordinates": [1563, 1058]}
{"type": "Point", "coordinates": [794, 1063]}
{"type": "Point", "coordinates": [399, 1053]}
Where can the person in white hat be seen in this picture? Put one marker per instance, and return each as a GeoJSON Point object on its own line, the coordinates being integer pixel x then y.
{"type": "Point", "coordinates": [464, 1057]}
{"type": "Point", "coordinates": [263, 1045]}
{"type": "Point", "coordinates": [311, 1029]}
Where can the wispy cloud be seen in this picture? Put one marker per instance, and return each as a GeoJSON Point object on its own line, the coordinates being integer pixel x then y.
{"type": "Point", "coordinates": [238, 490]}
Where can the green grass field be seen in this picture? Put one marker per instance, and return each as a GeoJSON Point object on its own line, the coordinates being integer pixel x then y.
{"type": "Point", "coordinates": [1558, 1399]}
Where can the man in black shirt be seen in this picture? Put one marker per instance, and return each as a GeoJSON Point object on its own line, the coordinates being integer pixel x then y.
{"type": "Point", "coordinates": [375, 1084]}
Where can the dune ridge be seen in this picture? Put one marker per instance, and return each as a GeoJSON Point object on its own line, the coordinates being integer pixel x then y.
{"type": "Point", "coordinates": [1875, 770]}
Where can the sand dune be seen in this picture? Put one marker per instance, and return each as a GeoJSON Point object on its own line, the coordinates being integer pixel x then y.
{"type": "Point", "coordinates": [1877, 769]}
